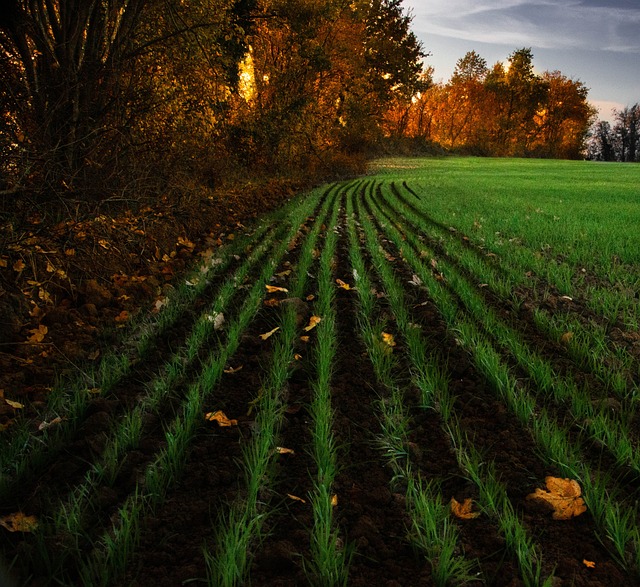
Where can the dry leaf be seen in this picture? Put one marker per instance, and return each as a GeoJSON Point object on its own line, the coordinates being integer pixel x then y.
{"type": "Point", "coordinates": [275, 288]}
{"type": "Point", "coordinates": [563, 495]}
{"type": "Point", "coordinates": [122, 317]}
{"type": "Point", "coordinates": [285, 451]}
{"type": "Point", "coordinates": [220, 418]}
{"type": "Point", "coordinates": [296, 498]}
{"type": "Point", "coordinates": [388, 339]}
{"type": "Point", "coordinates": [310, 298]}
{"type": "Point", "coordinates": [3, 262]}
{"type": "Point", "coordinates": [14, 405]}
{"type": "Point", "coordinates": [415, 280]}
{"type": "Point", "coordinates": [271, 303]}
{"type": "Point", "coordinates": [566, 337]}
{"type": "Point", "coordinates": [304, 338]}
{"type": "Point", "coordinates": [343, 285]}
{"type": "Point", "coordinates": [588, 564]}
{"type": "Point", "coordinates": [268, 334]}
{"type": "Point", "coordinates": [284, 273]}
{"type": "Point", "coordinates": [463, 510]}
{"type": "Point", "coordinates": [18, 522]}
{"type": "Point", "coordinates": [218, 320]}
{"type": "Point", "coordinates": [38, 334]}
{"type": "Point", "coordinates": [334, 500]}
{"type": "Point", "coordinates": [19, 266]}
{"type": "Point", "coordinates": [45, 425]}
{"type": "Point", "coordinates": [231, 370]}
{"type": "Point", "coordinates": [313, 322]}
{"type": "Point", "coordinates": [297, 357]}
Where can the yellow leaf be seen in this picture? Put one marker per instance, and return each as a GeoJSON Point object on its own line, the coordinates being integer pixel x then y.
{"type": "Point", "coordinates": [343, 285]}
{"type": "Point", "coordinates": [334, 500]}
{"type": "Point", "coordinates": [18, 522]}
{"type": "Point", "coordinates": [275, 288]}
{"type": "Point", "coordinates": [563, 495]}
{"type": "Point", "coordinates": [220, 418]}
{"type": "Point", "coordinates": [297, 357]}
{"type": "Point", "coordinates": [104, 244]}
{"type": "Point", "coordinates": [284, 273]}
{"type": "Point", "coordinates": [589, 564]}
{"type": "Point", "coordinates": [304, 338]}
{"type": "Point", "coordinates": [295, 498]}
{"type": "Point", "coordinates": [19, 266]}
{"type": "Point", "coordinates": [268, 334]}
{"type": "Point", "coordinates": [231, 370]}
{"type": "Point", "coordinates": [463, 510]}
{"type": "Point", "coordinates": [388, 339]}
{"type": "Point", "coordinates": [70, 252]}
{"type": "Point", "coordinates": [285, 451]}
{"type": "Point", "coordinates": [14, 405]}
{"type": "Point", "coordinates": [310, 298]}
{"type": "Point", "coordinates": [38, 334]}
{"type": "Point", "coordinates": [313, 322]}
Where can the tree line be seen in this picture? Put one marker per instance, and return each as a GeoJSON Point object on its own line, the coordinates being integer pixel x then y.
{"type": "Point", "coordinates": [505, 110]}
{"type": "Point", "coordinates": [620, 142]}
{"type": "Point", "coordinates": [134, 93]}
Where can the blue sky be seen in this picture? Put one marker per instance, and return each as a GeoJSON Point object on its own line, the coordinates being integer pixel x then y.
{"type": "Point", "coordinates": [594, 41]}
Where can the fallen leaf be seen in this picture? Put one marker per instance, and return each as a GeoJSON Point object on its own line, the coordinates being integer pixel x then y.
{"type": "Point", "coordinates": [310, 298]}
{"type": "Point", "coordinates": [19, 266]}
{"type": "Point", "coordinates": [38, 334]}
{"type": "Point", "coordinates": [231, 370]}
{"type": "Point", "coordinates": [285, 451]}
{"type": "Point", "coordinates": [44, 425]}
{"type": "Point", "coordinates": [415, 280]}
{"type": "Point", "coordinates": [3, 263]}
{"type": "Point", "coordinates": [14, 405]}
{"type": "Point", "coordinates": [295, 498]}
{"type": "Point", "coordinates": [19, 522]}
{"type": "Point", "coordinates": [94, 355]}
{"type": "Point", "coordinates": [271, 303]}
{"type": "Point", "coordinates": [563, 495]}
{"type": "Point", "coordinates": [388, 339]}
{"type": "Point", "coordinates": [334, 500]}
{"type": "Point", "coordinates": [122, 317]}
{"type": "Point", "coordinates": [566, 337]}
{"type": "Point", "coordinates": [588, 564]}
{"type": "Point", "coordinates": [566, 298]}
{"type": "Point", "coordinates": [284, 273]}
{"type": "Point", "coordinates": [463, 510]}
{"type": "Point", "coordinates": [343, 285]}
{"type": "Point", "coordinates": [70, 252]}
{"type": "Point", "coordinates": [313, 322]}
{"type": "Point", "coordinates": [104, 244]}
{"type": "Point", "coordinates": [268, 334]}
{"type": "Point", "coordinates": [297, 357]}
{"type": "Point", "coordinates": [304, 338]}
{"type": "Point", "coordinates": [185, 242]}
{"type": "Point", "coordinates": [220, 418]}
{"type": "Point", "coordinates": [218, 320]}
{"type": "Point", "coordinates": [275, 288]}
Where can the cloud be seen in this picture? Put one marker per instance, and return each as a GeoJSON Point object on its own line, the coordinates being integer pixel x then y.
{"type": "Point", "coordinates": [544, 24]}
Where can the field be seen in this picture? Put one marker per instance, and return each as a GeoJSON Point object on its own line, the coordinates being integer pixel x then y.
{"type": "Point", "coordinates": [306, 404]}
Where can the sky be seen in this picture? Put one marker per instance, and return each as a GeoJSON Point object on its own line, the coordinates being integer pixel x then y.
{"type": "Point", "coordinates": [594, 41]}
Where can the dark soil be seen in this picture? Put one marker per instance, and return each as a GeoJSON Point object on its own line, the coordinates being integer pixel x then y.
{"type": "Point", "coordinates": [371, 513]}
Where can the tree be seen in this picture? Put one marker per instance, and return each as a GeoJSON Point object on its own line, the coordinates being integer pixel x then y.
{"type": "Point", "coordinates": [626, 134]}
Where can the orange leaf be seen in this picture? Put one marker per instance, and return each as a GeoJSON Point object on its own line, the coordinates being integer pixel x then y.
{"type": "Point", "coordinates": [343, 285]}
{"type": "Point", "coordinates": [296, 498]}
{"type": "Point", "coordinates": [18, 522]}
{"type": "Point", "coordinates": [563, 495]}
{"type": "Point", "coordinates": [589, 564]}
{"type": "Point", "coordinates": [275, 288]}
{"type": "Point", "coordinates": [122, 317]}
{"type": "Point", "coordinates": [268, 334]}
{"type": "Point", "coordinates": [220, 418]}
{"type": "Point", "coordinates": [38, 334]}
{"type": "Point", "coordinates": [297, 357]}
{"type": "Point", "coordinates": [310, 298]}
{"type": "Point", "coordinates": [313, 322]}
{"type": "Point", "coordinates": [463, 510]}
{"type": "Point", "coordinates": [19, 266]}
{"type": "Point", "coordinates": [285, 451]}
{"type": "Point", "coordinates": [334, 500]}
{"type": "Point", "coordinates": [304, 338]}
{"type": "Point", "coordinates": [271, 303]}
